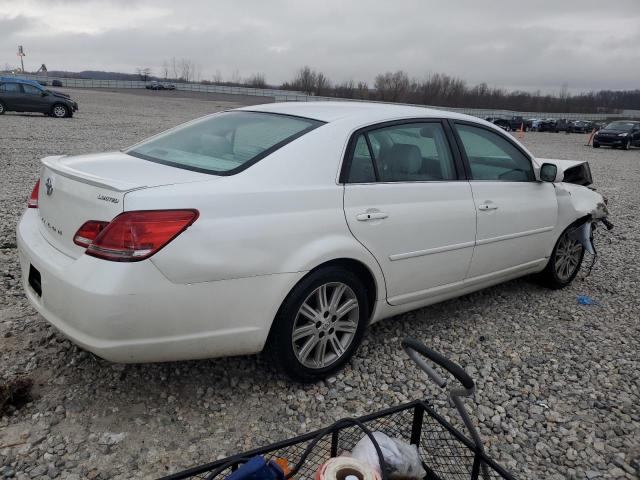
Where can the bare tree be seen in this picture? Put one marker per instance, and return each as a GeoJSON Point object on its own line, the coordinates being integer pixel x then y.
{"type": "Point", "coordinates": [392, 87]}
{"type": "Point", "coordinates": [143, 73]}
{"type": "Point", "coordinates": [165, 69]}
{"type": "Point", "coordinates": [322, 84]}
{"type": "Point", "coordinates": [257, 80]}
{"type": "Point", "coordinates": [174, 68]}
{"type": "Point", "coordinates": [217, 77]}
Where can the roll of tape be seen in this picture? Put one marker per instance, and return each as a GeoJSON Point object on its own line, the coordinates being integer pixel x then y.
{"type": "Point", "coordinates": [346, 468]}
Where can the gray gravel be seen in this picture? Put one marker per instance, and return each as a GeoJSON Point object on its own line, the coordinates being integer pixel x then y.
{"type": "Point", "coordinates": [557, 382]}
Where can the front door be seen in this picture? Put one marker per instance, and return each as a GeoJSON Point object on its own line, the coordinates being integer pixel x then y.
{"type": "Point", "coordinates": [516, 214]}
{"type": "Point", "coordinates": [405, 203]}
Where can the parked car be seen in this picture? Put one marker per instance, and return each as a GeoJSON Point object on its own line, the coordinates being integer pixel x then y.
{"type": "Point", "coordinates": [623, 134]}
{"type": "Point", "coordinates": [563, 125]}
{"type": "Point", "coordinates": [512, 124]}
{"type": "Point", "coordinates": [547, 125]}
{"type": "Point", "coordinates": [256, 228]}
{"type": "Point", "coordinates": [580, 126]}
{"type": "Point", "coordinates": [159, 86]}
{"type": "Point", "coordinates": [535, 123]}
{"type": "Point", "coordinates": [56, 83]}
{"type": "Point", "coordinates": [18, 95]}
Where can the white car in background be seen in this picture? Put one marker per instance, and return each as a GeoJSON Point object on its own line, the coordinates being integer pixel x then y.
{"type": "Point", "coordinates": [292, 226]}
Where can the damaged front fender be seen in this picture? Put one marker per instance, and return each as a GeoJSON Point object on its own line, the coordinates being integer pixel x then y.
{"type": "Point", "coordinates": [581, 207]}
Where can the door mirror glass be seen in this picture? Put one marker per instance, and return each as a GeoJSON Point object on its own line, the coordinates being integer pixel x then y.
{"type": "Point", "coordinates": [548, 172]}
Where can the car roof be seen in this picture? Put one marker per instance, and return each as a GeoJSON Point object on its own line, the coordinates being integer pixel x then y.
{"type": "Point", "coordinates": [21, 80]}
{"type": "Point", "coordinates": [329, 111]}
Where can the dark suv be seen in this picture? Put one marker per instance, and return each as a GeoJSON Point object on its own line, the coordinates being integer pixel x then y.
{"type": "Point", "coordinates": [622, 134]}
{"type": "Point", "coordinates": [18, 95]}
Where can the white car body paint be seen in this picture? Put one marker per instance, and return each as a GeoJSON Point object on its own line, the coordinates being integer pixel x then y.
{"type": "Point", "coordinates": [216, 288]}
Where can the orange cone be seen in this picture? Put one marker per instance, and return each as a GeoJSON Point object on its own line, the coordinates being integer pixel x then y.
{"type": "Point", "coordinates": [590, 137]}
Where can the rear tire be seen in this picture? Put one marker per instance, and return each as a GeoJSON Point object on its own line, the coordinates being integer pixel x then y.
{"type": "Point", "coordinates": [60, 111]}
{"type": "Point", "coordinates": [2, 108]}
{"type": "Point", "coordinates": [319, 325]}
{"type": "Point", "coordinates": [564, 263]}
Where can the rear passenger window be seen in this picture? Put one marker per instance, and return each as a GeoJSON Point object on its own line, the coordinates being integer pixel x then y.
{"type": "Point", "coordinates": [10, 87]}
{"type": "Point", "coordinates": [492, 157]}
{"type": "Point", "coordinates": [362, 163]}
{"type": "Point", "coordinates": [413, 152]}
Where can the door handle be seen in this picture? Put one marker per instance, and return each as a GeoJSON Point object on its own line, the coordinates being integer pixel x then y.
{"type": "Point", "coordinates": [366, 216]}
{"type": "Point", "coordinates": [487, 206]}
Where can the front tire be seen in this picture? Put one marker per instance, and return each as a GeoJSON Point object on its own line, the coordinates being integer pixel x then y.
{"type": "Point", "coordinates": [564, 263]}
{"type": "Point", "coordinates": [627, 145]}
{"type": "Point", "coordinates": [320, 324]}
{"type": "Point", "coordinates": [59, 111]}
{"type": "Point", "coordinates": [596, 145]}
{"type": "Point", "coordinates": [2, 108]}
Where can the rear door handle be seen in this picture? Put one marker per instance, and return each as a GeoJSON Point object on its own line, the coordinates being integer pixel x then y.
{"type": "Point", "coordinates": [366, 216]}
{"type": "Point", "coordinates": [487, 206]}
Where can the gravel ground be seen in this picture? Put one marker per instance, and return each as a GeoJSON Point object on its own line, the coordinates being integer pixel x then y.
{"type": "Point", "coordinates": [558, 382]}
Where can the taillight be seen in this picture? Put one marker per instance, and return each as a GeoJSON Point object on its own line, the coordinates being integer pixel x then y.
{"type": "Point", "coordinates": [88, 232]}
{"type": "Point", "coordinates": [134, 236]}
{"type": "Point", "coordinates": [33, 199]}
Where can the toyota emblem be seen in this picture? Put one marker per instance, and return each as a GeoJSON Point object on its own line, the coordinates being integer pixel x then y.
{"type": "Point", "coordinates": [49, 185]}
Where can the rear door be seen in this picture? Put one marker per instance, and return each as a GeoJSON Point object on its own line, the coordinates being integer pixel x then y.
{"type": "Point", "coordinates": [406, 201]}
{"type": "Point", "coordinates": [516, 214]}
{"type": "Point", "coordinates": [11, 95]}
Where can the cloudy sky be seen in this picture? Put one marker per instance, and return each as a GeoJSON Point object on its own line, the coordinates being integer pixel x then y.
{"type": "Point", "coordinates": [515, 44]}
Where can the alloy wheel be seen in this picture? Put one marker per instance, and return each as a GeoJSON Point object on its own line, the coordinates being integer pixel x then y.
{"type": "Point", "coordinates": [59, 111]}
{"type": "Point", "coordinates": [567, 257]}
{"type": "Point", "coordinates": [325, 325]}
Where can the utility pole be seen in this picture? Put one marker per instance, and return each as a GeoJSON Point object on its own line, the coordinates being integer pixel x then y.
{"type": "Point", "coordinates": [21, 55]}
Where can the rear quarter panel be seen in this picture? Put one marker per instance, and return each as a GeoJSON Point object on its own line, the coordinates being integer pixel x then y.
{"type": "Point", "coordinates": [283, 214]}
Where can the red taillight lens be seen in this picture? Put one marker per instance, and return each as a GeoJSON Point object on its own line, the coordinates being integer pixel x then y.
{"type": "Point", "coordinates": [33, 199]}
{"type": "Point", "coordinates": [134, 236]}
{"type": "Point", "coordinates": [88, 232]}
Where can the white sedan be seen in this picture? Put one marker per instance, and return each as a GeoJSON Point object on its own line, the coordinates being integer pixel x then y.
{"type": "Point", "coordinates": [292, 226]}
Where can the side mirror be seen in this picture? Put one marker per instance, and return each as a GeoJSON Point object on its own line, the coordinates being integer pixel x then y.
{"type": "Point", "coordinates": [44, 94]}
{"type": "Point", "coordinates": [549, 173]}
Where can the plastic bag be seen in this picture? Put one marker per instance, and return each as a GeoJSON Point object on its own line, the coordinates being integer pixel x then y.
{"type": "Point", "coordinates": [401, 457]}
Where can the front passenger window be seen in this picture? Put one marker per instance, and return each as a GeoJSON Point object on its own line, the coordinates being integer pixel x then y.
{"type": "Point", "coordinates": [493, 157]}
{"type": "Point", "coordinates": [30, 90]}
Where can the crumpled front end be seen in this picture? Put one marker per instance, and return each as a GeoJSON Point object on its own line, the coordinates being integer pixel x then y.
{"type": "Point", "coordinates": [582, 208]}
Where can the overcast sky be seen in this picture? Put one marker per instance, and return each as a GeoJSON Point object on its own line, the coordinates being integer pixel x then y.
{"type": "Point", "coordinates": [515, 44]}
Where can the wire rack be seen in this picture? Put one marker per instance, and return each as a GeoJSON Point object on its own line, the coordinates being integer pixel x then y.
{"type": "Point", "coordinates": [445, 452]}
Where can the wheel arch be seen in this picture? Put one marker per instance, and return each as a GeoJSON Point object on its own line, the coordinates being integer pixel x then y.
{"type": "Point", "coordinates": [374, 288]}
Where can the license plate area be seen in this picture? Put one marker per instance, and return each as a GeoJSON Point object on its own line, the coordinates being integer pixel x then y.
{"type": "Point", "coordinates": [35, 280]}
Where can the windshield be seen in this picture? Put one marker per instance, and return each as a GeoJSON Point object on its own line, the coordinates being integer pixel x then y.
{"type": "Point", "coordinates": [225, 143]}
{"type": "Point", "coordinates": [620, 126]}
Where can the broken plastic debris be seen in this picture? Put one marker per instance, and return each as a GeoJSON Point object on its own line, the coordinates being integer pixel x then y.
{"type": "Point", "coordinates": [587, 300]}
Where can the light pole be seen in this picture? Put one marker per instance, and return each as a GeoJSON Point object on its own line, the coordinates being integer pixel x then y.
{"type": "Point", "coordinates": [21, 55]}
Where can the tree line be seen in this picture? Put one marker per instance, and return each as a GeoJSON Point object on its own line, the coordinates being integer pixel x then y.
{"type": "Point", "coordinates": [446, 91]}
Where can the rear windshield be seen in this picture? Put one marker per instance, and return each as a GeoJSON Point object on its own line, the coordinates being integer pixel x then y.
{"type": "Point", "coordinates": [225, 143]}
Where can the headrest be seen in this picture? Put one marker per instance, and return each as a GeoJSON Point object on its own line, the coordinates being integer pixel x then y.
{"type": "Point", "coordinates": [404, 158]}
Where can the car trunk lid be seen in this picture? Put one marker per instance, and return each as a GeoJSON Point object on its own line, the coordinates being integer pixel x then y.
{"type": "Point", "coordinates": [75, 189]}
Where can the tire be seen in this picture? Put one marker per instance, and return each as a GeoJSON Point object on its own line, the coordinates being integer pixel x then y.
{"type": "Point", "coordinates": [294, 356]}
{"type": "Point", "coordinates": [60, 111]}
{"type": "Point", "coordinates": [557, 274]}
{"type": "Point", "coordinates": [627, 145]}
{"type": "Point", "coordinates": [596, 145]}
{"type": "Point", "coordinates": [2, 108]}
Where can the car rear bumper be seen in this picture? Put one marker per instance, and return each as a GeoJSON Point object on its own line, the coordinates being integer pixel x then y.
{"type": "Point", "coordinates": [130, 312]}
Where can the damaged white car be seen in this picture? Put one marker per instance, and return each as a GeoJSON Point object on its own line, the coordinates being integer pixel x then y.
{"type": "Point", "coordinates": [292, 227]}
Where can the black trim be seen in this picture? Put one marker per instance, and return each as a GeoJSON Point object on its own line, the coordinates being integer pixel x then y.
{"type": "Point", "coordinates": [248, 163]}
{"type": "Point", "coordinates": [499, 132]}
{"type": "Point", "coordinates": [351, 146]}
